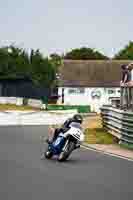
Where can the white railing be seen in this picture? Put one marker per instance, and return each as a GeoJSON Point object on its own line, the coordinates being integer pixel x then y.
{"type": "Point", "coordinates": [19, 101]}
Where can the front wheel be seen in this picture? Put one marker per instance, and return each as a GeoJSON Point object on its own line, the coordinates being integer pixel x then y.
{"type": "Point", "coordinates": [62, 157]}
{"type": "Point", "coordinates": [66, 153]}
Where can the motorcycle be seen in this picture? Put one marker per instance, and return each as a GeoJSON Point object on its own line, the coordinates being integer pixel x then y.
{"type": "Point", "coordinates": [65, 143]}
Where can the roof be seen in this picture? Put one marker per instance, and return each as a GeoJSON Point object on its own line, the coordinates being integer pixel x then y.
{"type": "Point", "coordinates": [91, 73]}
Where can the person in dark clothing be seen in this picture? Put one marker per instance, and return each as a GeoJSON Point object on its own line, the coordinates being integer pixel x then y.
{"type": "Point", "coordinates": [129, 85]}
{"type": "Point", "coordinates": [125, 92]}
{"type": "Point", "coordinates": [65, 127]}
{"type": "Point", "coordinates": [126, 75]}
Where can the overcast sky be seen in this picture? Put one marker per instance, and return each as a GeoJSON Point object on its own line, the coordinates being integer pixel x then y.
{"type": "Point", "coordinates": [60, 25]}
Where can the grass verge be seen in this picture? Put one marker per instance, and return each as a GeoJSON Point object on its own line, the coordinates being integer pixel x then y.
{"type": "Point", "coordinates": [95, 134]}
{"type": "Point", "coordinates": [126, 146]}
{"type": "Point", "coordinates": [15, 107]}
{"type": "Point", "coordinates": [99, 136]}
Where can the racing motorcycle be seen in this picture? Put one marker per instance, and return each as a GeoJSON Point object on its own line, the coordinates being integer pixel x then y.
{"type": "Point", "coordinates": [65, 143]}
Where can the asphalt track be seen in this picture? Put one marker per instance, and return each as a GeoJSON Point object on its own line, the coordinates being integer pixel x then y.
{"type": "Point", "coordinates": [87, 175]}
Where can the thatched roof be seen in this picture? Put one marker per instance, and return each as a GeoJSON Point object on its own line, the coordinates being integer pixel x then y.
{"type": "Point", "coordinates": [91, 73]}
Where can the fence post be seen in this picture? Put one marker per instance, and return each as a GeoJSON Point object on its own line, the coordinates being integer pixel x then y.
{"type": "Point", "coordinates": [45, 100]}
{"type": "Point", "coordinates": [25, 101]}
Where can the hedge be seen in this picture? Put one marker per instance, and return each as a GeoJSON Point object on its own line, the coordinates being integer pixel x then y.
{"type": "Point", "coordinates": [81, 109]}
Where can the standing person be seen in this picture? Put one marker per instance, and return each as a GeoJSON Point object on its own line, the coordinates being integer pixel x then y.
{"type": "Point", "coordinates": [130, 67]}
{"type": "Point", "coordinates": [130, 85]}
{"type": "Point", "coordinates": [125, 95]}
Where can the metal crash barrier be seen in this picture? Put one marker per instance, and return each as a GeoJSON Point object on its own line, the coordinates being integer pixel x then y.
{"type": "Point", "coordinates": [119, 123]}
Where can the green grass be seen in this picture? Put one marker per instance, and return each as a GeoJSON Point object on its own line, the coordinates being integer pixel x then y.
{"type": "Point", "coordinates": [99, 136]}
{"type": "Point", "coordinates": [80, 108]}
{"type": "Point", "coordinates": [15, 107]}
{"type": "Point", "coordinates": [126, 146]}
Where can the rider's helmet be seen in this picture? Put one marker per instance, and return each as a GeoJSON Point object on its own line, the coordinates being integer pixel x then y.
{"type": "Point", "coordinates": [78, 118]}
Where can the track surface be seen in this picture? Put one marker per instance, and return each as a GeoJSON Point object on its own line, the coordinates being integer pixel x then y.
{"type": "Point", "coordinates": [87, 175]}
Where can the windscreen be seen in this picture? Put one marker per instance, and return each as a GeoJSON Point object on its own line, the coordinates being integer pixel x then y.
{"type": "Point", "coordinates": [76, 125]}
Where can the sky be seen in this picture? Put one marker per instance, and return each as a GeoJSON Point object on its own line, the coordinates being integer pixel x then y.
{"type": "Point", "coordinates": [57, 26]}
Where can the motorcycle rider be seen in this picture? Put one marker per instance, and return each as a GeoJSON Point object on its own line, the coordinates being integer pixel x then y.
{"type": "Point", "coordinates": [66, 126]}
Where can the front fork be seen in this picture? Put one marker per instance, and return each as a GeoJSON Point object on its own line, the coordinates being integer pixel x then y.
{"type": "Point", "coordinates": [65, 146]}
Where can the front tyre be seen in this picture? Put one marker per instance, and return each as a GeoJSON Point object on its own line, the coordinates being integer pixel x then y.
{"type": "Point", "coordinates": [62, 157]}
{"type": "Point", "coordinates": [68, 150]}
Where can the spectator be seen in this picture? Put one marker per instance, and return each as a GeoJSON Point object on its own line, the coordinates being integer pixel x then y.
{"type": "Point", "coordinates": [125, 75]}
{"type": "Point", "coordinates": [130, 85]}
{"type": "Point", "coordinates": [125, 93]}
{"type": "Point", "coordinates": [130, 67]}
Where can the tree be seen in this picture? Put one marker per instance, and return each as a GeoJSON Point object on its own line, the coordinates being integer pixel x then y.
{"type": "Point", "coordinates": [56, 60]}
{"type": "Point", "coordinates": [126, 53]}
{"type": "Point", "coordinates": [85, 54]}
{"type": "Point", "coordinates": [16, 63]}
{"type": "Point", "coordinates": [4, 59]}
{"type": "Point", "coordinates": [42, 70]}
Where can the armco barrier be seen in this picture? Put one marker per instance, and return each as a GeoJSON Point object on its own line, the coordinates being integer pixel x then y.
{"type": "Point", "coordinates": [119, 123]}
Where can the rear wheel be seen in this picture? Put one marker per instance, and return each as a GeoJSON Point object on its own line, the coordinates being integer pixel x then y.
{"type": "Point", "coordinates": [48, 154]}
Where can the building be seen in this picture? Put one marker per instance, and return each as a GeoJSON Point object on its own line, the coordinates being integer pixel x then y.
{"type": "Point", "coordinates": [90, 82]}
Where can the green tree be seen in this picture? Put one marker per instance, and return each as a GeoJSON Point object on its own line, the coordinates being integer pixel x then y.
{"type": "Point", "coordinates": [56, 60]}
{"type": "Point", "coordinates": [85, 54]}
{"type": "Point", "coordinates": [14, 62]}
{"type": "Point", "coordinates": [126, 53]}
{"type": "Point", "coordinates": [42, 70]}
{"type": "Point", "coordinates": [17, 63]}
{"type": "Point", "coordinates": [4, 59]}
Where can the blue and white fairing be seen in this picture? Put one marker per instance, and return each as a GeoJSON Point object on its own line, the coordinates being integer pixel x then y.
{"type": "Point", "coordinates": [57, 145]}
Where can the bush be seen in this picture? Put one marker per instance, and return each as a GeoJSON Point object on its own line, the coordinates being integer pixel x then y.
{"type": "Point", "coordinates": [81, 109]}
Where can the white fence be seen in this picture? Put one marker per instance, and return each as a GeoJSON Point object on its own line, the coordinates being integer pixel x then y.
{"type": "Point", "coordinates": [35, 103]}
{"type": "Point", "coordinates": [19, 101]}
{"type": "Point", "coordinates": [11, 100]}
